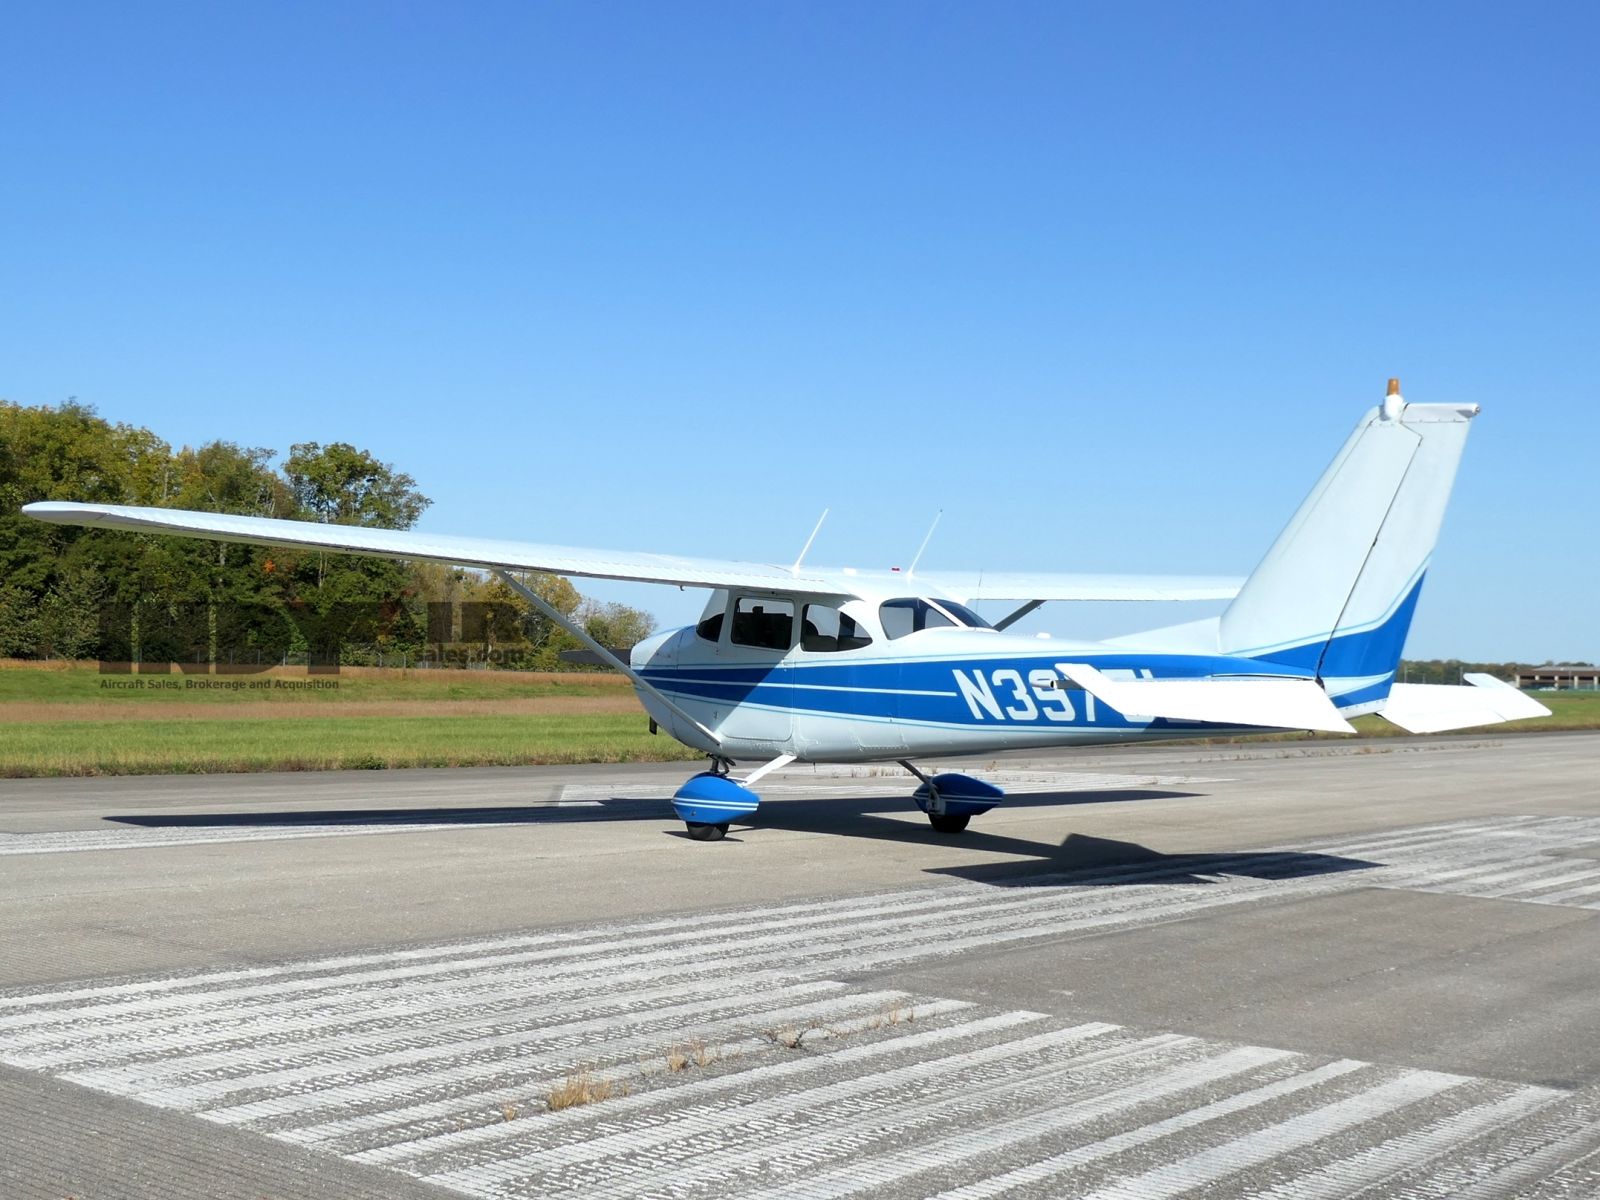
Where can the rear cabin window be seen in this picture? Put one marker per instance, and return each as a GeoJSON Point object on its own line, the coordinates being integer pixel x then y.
{"type": "Point", "coordinates": [825, 630]}
{"type": "Point", "coordinates": [964, 614]}
{"type": "Point", "coordinates": [764, 622]}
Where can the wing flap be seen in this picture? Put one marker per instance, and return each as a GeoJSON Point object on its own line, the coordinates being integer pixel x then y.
{"type": "Point", "coordinates": [1275, 703]}
{"type": "Point", "coordinates": [1437, 707]}
{"type": "Point", "coordinates": [404, 543]}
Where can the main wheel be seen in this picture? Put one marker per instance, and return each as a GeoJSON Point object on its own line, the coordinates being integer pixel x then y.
{"type": "Point", "coordinates": [709, 833]}
{"type": "Point", "coordinates": [949, 822]}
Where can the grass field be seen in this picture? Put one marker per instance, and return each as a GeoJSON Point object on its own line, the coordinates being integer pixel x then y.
{"type": "Point", "coordinates": [69, 719]}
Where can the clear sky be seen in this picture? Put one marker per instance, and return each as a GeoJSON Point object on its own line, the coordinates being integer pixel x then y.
{"type": "Point", "coordinates": [1107, 283]}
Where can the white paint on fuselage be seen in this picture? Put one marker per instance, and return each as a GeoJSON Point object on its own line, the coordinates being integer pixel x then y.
{"type": "Point", "coordinates": [1006, 688]}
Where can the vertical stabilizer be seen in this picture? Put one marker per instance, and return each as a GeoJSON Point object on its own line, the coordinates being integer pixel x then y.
{"type": "Point", "coordinates": [1336, 592]}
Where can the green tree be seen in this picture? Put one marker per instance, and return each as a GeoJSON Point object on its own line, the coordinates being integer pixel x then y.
{"type": "Point", "coordinates": [615, 626]}
{"type": "Point", "coordinates": [341, 485]}
{"type": "Point", "coordinates": [241, 597]}
{"type": "Point", "coordinates": [19, 634]}
{"type": "Point", "coordinates": [68, 623]}
{"type": "Point", "coordinates": [159, 598]}
{"type": "Point", "coordinates": [496, 614]}
{"type": "Point", "coordinates": [348, 598]}
{"type": "Point", "coordinates": [64, 452]}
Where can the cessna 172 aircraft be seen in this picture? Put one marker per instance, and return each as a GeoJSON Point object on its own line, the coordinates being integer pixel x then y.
{"type": "Point", "coordinates": [800, 664]}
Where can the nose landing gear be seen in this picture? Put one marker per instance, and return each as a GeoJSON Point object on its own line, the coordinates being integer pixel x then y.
{"type": "Point", "coordinates": [710, 801]}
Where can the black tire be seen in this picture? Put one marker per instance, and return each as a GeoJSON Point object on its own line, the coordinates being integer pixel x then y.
{"type": "Point", "coordinates": [949, 822]}
{"type": "Point", "coordinates": [706, 833]}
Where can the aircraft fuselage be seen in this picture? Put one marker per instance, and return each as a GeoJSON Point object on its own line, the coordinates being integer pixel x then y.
{"type": "Point", "coordinates": [934, 692]}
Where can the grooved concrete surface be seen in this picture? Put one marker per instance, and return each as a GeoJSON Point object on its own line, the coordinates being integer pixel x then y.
{"type": "Point", "coordinates": [1288, 971]}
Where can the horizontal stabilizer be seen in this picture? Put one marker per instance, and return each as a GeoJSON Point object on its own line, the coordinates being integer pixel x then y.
{"type": "Point", "coordinates": [1272, 703]}
{"type": "Point", "coordinates": [1435, 707]}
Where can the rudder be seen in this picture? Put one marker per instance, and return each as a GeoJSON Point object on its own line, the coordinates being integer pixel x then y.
{"type": "Point", "coordinates": [1336, 592]}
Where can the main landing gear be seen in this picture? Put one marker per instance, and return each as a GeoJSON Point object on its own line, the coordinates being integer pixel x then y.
{"type": "Point", "coordinates": [712, 800]}
{"type": "Point", "coordinates": [951, 800]}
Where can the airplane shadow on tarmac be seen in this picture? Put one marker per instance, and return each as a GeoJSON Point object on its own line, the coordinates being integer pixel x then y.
{"type": "Point", "coordinates": [1079, 860]}
{"type": "Point", "coordinates": [834, 815]}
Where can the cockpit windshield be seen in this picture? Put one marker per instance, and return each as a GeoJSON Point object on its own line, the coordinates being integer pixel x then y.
{"type": "Point", "coordinates": [912, 614]}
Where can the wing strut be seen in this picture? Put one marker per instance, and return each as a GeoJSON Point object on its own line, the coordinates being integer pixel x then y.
{"type": "Point", "coordinates": [1008, 621]}
{"type": "Point", "coordinates": [610, 659]}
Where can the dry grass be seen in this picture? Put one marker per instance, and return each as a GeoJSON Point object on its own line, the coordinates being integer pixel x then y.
{"type": "Point", "coordinates": [508, 1112]}
{"type": "Point", "coordinates": [896, 1012]}
{"type": "Point", "coordinates": [579, 1088]}
{"type": "Point", "coordinates": [694, 1052]}
{"type": "Point", "coordinates": [790, 1037]}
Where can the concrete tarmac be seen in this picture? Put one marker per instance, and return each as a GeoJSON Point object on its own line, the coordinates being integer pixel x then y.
{"type": "Point", "coordinates": [1291, 969]}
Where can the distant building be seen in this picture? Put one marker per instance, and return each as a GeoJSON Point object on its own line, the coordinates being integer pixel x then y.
{"type": "Point", "coordinates": [1559, 677]}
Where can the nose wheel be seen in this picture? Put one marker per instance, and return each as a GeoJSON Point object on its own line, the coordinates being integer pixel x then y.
{"type": "Point", "coordinates": [949, 822]}
{"type": "Point", "coordinates": [708, 803]}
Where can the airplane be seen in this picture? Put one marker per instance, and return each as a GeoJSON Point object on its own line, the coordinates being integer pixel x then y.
{"type": "Point", "coordinates": [795, 664]}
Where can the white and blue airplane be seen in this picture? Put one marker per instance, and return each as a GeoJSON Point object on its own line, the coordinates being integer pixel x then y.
{"type": "Point", "coordinates": [800, 664]}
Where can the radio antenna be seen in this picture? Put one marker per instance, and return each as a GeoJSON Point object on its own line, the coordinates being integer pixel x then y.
{"type": "Point", "coordinates": [795, 570]}
{"type": "Point", "coordinates": [926, 538]}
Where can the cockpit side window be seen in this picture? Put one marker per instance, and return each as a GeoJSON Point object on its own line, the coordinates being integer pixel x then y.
{"type": "Point", "coordinates": [826, 630]}
{"type": "Point", "coordinates": [763, 621]}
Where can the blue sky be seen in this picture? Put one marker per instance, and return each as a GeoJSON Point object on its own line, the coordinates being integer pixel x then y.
{"type": "Point", "coordinates": [1108, 284]}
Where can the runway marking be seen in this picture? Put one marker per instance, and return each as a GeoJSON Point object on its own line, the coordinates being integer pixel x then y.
{"type": "Point", "coordinates": [982, 1068]}
{"type": "Point", "coordinates": [1349, 1176]}
{"type": "Point", "coordinates": [572, 802]}
{"type": "Point", "coordinates": [404, 1058]}
{"type": "Point", "coordinates": [74, 841]}
{"type": "Point", "coordinates": [899, 784]}
{"type": "Point", "coordinates": [1037, 1172]}
{"type": "Point", "coordinates": [1230, 1158]}
{"type": "Point", "coordinates": [564, 1049]}
{"type": "Point", "coordinates": [773, 1074]}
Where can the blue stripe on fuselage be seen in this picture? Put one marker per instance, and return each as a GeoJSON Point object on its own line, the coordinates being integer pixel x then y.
{"type": "Point", "coordinates": [999, 691]}
{"type": "Point", "coordinates": [1356, 653]}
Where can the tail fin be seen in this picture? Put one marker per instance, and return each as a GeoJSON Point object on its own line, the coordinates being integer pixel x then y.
{"type": "Point", "coordinates": [1336, 592]}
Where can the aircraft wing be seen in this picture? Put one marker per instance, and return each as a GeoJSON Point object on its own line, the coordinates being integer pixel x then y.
{"type": "Point", "coordinates": [1436, 707]}
{"type": "Point", "coordinates": [610, 564]}
{"type": "Point", "coordinates": [968, 586]}
{"type": "Point", "coordinates": [461, 551]}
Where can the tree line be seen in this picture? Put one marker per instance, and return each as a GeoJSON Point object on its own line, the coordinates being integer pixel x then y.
{"type": "Point", "coordinates": [120, 595]}
{"type": "Point", "coordinates": [1451, 670]}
